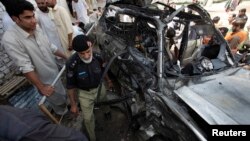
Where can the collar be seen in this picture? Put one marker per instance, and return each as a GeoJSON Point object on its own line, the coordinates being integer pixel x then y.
{"type": "Point", "coordinates": [79, 60]}
{"type": "Point", "coordinates": [55, 7]}
{"type": "Point", "coordinates": [51, 10]}
{"type": "Point", "coordinates": [21, 31]}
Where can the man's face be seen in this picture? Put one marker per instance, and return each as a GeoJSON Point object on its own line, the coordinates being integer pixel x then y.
{"type": "Point", "coordinates": [51, 3]}
{"type": "Point", "coordinates": [230, 18]}
{"type": "Point", "coordinates": [236, 27]}
{"type": "Point", "coordinates": [26, 20]}
{"type": "Point", "coordinates": [41, 4]}
{"type": "Point", "coordinates": [241, 13]}
{"type": "Point", "coordinates": [206, 39]}
{"type": "Point", "coordinates": [87, 54]}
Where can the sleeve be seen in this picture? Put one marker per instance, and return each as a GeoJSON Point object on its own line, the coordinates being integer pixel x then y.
{"type": "Point", "coordinates": [70, 76]}
{"type": "Point", "coordinates": [73, 6]}
{"type": "Point", "coordinates": [17, 52]}
{"type": "Point", "coordinates": [44, 38]}
{"type": "Point", "coordinates": [85, 4]}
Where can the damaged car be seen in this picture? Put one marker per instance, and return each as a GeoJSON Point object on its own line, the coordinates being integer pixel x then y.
{"type": "Point", "coordinates": [174, 71]}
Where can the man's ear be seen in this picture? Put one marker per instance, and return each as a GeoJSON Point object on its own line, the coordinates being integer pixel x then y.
{"type": "Point", "coordinates": [15, 19]}
{"type": "Point", "coordinates": [89, 43]}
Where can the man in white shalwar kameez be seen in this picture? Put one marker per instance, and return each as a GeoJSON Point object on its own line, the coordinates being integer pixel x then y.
{"type": "Point", "coordinates": [49, 27]}
{"type": "Point", "coordinates": [63, 24]}
{"type": "Point", "coordinates": [80, 11]}
{"type": "Point", "coordinates": [34, 54]}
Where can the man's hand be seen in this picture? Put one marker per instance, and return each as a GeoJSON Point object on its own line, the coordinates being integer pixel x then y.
{"type": "Point", "coordinates": [47, 90]}
{"type": "Point", "coordinates": [110, 85]}
{"type": "Point", "coordinates": [70, 48]}
{"type": "Point", "coordinates": [74, 110]}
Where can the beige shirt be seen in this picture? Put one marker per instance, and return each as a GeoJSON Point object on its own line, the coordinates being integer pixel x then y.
{"type": "Point", "coordinates": [63, 25]}
{"type": "Point", "coordinates": [34, 53]}
{"type": "Point", "coordinates": [30, 52]}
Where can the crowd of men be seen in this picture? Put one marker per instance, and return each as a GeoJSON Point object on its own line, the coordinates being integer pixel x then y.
{"type": "Point", "coordinates": [236, 31]}
{"type": "Point", "coordinates": [40, 41]}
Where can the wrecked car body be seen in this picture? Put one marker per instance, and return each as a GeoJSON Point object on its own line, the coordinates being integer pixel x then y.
{"type": "Point", "coordinates": [174, 90]}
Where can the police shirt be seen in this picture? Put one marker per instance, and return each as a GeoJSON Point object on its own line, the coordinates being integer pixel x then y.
{"type": "Point", "coordinates": [82, 75]}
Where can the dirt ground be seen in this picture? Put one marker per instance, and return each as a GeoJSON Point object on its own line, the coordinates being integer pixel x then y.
{"type": "Point", "coordinates": [113, 129]}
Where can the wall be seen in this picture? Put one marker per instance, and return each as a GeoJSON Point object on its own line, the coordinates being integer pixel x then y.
{"type": "Point", "coordinates": [7, 67]}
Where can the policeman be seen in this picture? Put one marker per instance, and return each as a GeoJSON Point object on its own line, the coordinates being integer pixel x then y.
{"type": "Point", "coordinates": [84, 71]}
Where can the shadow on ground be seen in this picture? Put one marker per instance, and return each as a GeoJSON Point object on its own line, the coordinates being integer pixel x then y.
{"type": "Point", "coordinates": [107, 129]}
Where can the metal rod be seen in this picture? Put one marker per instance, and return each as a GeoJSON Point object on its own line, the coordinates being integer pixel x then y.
{"type": "Point", "coordinates": [53, 83]}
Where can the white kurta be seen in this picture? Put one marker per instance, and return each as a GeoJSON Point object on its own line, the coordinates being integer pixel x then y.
{"type": "Point", "coordinates": [77, 31]}
{"type": "Point", "coordinates": [35, 53]}
{"type": "Point", "coordinates": [63, 25]}
{"type": "Point", "coordinates": [80, 8]}
{"type": "Point", "coordinates": [64, 4]}
{"type": "Point", "coordinates": [48, 26]}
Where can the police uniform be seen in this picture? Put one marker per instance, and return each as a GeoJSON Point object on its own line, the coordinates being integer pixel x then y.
{"type": "Point", "coordinates": [86, 78]}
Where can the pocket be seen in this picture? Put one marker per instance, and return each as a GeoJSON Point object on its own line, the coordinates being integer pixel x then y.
{"type": "Point", "coordinates": [82, 75]}
{"type": "Point", "coordinates": [97, 71]}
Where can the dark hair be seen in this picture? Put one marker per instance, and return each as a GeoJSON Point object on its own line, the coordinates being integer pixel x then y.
{"type": "Point", "coordinates": [233, 15]}
{"type": "Point", "coordinates": [216, 19]}
{"type": "Point", "coordinates": [82, 26]}
{"type": "Point", "coordinates": [17, 7]}
{"type": "Point", "coordinates": [243, 10]}
{"type": "Point", "coordinates": [239, 22]}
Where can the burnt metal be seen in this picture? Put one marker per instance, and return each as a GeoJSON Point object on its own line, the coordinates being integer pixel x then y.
{"type": "Point", "coordinates": [151, 72]}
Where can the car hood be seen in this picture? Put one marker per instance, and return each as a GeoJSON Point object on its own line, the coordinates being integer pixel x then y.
{"type": "Point", "coordinates": [224, 100]}
{"type": "Point", "coordinates": [133, 2]}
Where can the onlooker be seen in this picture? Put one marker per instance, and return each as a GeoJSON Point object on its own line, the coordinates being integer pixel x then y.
{"type": "Point", "coordinates": [242, 15]}
{"type": "Point", "coordinates": [33, 2]}
{"type": "Point", "coordinates": [30, 125]}
{"type": "Point", "coordinates": [33, 53]}
{"type": "Point", "coordinates": [231, 5]}
{"type": "Point", "coordinates": [80, 11]}
{"type": "Point", "coordinates": [237, 36]}
{"type": "Point", "coordinates": [78, 29]}
{"type": "Point", "coordinates": [49, 28]}
{"type": "Point", "coordinates": [84, 71]}
{"type": "Point", "coordinates": [93, 17]}
{"type": "Point", "coordinates": [92, 4]}
{"type": "Point", "coordinates": [64, 4]}
{"type": "Point", "coordinates": [6, 63]}
{"type": "Point", "coordinates": [100, 11]}
{"type": "Point", "coordinates": [63, 24]}
{"type": "Point", "coordinates": [216, 21]}
{"type": "Point", "coordinates": [231, 18]}
{"type": "Point", "coordinates": [6, 20]}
